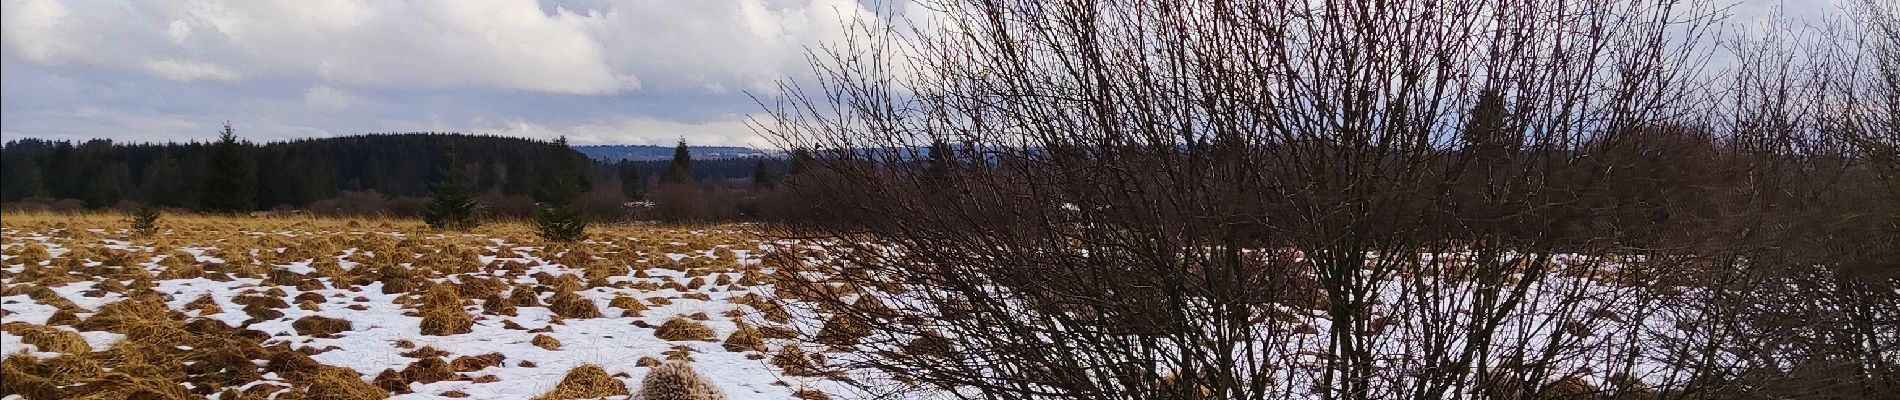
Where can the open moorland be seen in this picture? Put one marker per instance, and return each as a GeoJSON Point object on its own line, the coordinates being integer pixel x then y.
{"type": "Point", "coordinates": [286, 308]}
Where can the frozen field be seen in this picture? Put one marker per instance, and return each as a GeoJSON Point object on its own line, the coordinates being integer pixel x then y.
{"type": "Point", "coordinates": [241, 308]}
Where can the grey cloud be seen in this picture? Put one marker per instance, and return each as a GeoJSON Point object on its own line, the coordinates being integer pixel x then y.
{"type": "Point", "coordinates": [602, 71]}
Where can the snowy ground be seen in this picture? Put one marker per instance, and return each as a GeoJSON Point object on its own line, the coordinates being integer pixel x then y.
{"type": "Point", "coordinates": [61, 280]}
{"type": "Point", "coordinates": [673, 274]}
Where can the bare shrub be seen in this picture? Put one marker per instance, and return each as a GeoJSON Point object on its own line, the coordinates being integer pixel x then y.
{"type": "Point", "coordinates": [1293, 199]}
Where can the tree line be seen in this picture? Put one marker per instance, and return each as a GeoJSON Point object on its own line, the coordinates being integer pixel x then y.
{"type": "Point", "coordinates": [391, 174]}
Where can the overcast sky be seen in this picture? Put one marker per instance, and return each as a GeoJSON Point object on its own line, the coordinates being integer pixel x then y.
{"type": "Point", "coordinates": [597, 71]}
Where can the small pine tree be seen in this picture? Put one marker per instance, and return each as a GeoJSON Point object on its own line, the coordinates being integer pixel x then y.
{"type": "Point", "coordinates": [145, 221]}
{"type": "Point", "coordinates": [231, 185]}
{"type": "Point", "coordinates": [560, 218]}
{"type": "Point", "coordinates": [453, 205]}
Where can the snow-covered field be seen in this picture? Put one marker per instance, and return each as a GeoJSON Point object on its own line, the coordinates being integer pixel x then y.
{"type": "Point", "coordinates": [300, 308]}
{"type": "Point", "coordinates": [278, 288]}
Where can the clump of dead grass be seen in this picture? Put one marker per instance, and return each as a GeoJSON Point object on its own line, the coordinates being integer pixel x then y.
{"type": "Point", "coordinates": [567, 304]}
{"type": "Point", "coordinates": [425, 352]}
{"type": "Point", "coordinates": [338, 383]}
{"type": "Point", "coordinates": [779, 332]}
{"type": "Point", "coordinates": [770, 309]}
{"type": "Point", "coordinates": [442, 313]}
{"type": "Point", "coordinates": [498, 305]}
{"type": "Point", "coordinates": [585, 382]}
{"type": "Point", "coordinates": [746, 338]}
{"type": "Point", "coordinates": [678, 328]}
{"type": "Point", "coordinates": [793, 361]}
{"type": "Point", "coordinates": [524, 296]}
{"type": "Point", "coordinates": [428, 370]}
{"type": "Point", "coordinates": [204, 305]}
{"type": "Point", "coordinates": [62, 317]}
{"type": "Point", "coordinates": [545, 342]}
{"type": "Point", "coordinates": [632, 306]}
{"type": "Point", "coordinates": [842, 330]}
{"type": "Point", "coordinates": [810, 394]}
{"type": "Point", "coordinates": [391, 381]}
{"type": "Point", "coordinates": [477, 362]}
{"type": "Point", "coordinates": [320, 326]}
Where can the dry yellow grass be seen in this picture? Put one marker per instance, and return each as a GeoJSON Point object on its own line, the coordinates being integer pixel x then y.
{"type": "Point", "coordinates": [442, 313]}
{"type": "Point", "coordinates": [632, 307]}
{"type": "Point", "coordinates": [746, 338]}
{"type": "Point", "coordinates": [428, 370]}
{"type": "Point", "coordinates": [436, 275]}
{"type": "Point", "coordinates": [842, 330]}
{"type": "Point", "coordinates": [320, 326]}
{"type": "Point", "coordinates": [48, 338]}
{"type": "Point", "coordinates": [336, 383]}
{"type": "Point", "coordinates": [793, 361]}
{"type": "Point", "coordinates": [586, 382]}
{"type": "Point", "coordinates": [476, 363]}
{"type": "Point", "coordinates": [391, 381]}
{"type": "Point", "coordinates": [567, 304]}
{"type": "Point", "coordinates": [683, 329]}
{"type": "Point", "coordinates": [810, 394]}
{"type": "Point", "coordinates": [546, 342]}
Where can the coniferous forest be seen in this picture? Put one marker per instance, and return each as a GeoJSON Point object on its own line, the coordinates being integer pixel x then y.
{"type": "Point", "coordinates": [373, 174]}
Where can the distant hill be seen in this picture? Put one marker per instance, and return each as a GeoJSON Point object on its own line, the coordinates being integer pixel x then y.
{"type": "Point", "coordinates": [613, 153]}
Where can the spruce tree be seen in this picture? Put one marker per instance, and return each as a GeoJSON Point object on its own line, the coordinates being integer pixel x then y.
{"type": "Point", "coordinates": [64, 175]}
{"type": "Point", "coordinates": [560, 217]}
{"type": "Point", "coordinates": [145, 221]}
{"type": "Point", "coordinates": [231, 183]}
{"type": "Point", "coordinates": [763, 178]}
{"type": "Point", "coordinates": [452, 203]}
{"type": "Point", "coordinates": [106, 185]}
{"type": "Point", "coordinates": [631, 183]}
{"type": "Point", "coordinates": [940, 161]}
{"type": "Point", "coordinates": [681, 169]}
{"type": "Point", "coordinates": [489, 177]}
{"type": "Point", "coordinates": [22, 179]}
{"type": "Point", "coordinates": [162, 181]}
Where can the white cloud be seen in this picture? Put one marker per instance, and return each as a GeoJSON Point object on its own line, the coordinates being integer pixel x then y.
{"type": "Point", "coordinates": [34, 30]}
{"type": "Point", "coordinates": [588, 48]}
{"type": "Point", "coordinates": [85, 122]}
{"type": "Point", "coordinates": [178, 31]}
{"type": "Point", "coordinates": [329, 98]}
{"type": "Point", "coordinates": [188, 71]}
{"type": "Point", "coordinates": [599, 71]}
{"type": "Point", "coordinates": [728, 130]}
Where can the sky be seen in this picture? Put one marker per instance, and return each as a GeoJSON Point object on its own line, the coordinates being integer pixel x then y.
{"type": "Point", "coordinates": [595, 71]}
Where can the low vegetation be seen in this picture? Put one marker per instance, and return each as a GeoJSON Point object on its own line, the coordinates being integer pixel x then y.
{"type": "Point", "coordinates": [303, 307]}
